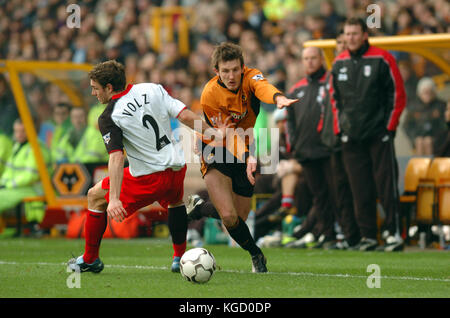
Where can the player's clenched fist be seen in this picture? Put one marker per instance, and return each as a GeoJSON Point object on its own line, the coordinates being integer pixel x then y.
{"type": "Point", "coordinates": [116, 211]}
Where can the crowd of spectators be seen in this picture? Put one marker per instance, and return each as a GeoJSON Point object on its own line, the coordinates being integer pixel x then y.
{"type": "Point", "coordinates": [271, 34]}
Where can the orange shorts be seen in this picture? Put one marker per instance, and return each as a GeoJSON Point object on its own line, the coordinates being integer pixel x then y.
{"type": "Point", "coordinates": [166, 187]}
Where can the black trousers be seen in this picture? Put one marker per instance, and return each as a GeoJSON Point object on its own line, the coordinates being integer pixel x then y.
{"type": "Point", "coordinates": [262, 223]}
{"type": "Point", "coordinates": [372, 170]}
{"type": "Point", "coordinates": [302, 201]}
{"type": "Point", "coordinates": [318, 176]}
{"type": "Point", "coordinates": [345, 213]}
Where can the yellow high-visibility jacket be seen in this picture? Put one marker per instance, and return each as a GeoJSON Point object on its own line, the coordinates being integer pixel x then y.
{"type": "Point", "coordinates": [5, 151]}
{"type": "Point", "coordinates": [21, 168]}
{"type": "Point", "coordinates": [90, 148]}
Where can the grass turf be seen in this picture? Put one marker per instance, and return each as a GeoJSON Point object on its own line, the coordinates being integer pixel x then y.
{"type": "Point", "coordinates": [141, 268]}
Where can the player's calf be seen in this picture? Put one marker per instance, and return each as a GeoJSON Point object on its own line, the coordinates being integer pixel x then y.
{"type": "Point", "coordinates": [241, 234]}
{"type": "Point", "coordinates": [177, 220]}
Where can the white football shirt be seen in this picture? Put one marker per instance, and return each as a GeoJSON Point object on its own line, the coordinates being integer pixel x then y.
{"type": "Point", "coordinates": [138, 119]}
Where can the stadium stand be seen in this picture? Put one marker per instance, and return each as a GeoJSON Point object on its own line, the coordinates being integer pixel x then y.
{"type": "Point", "coordinates": [416, 169]}
{"type": "Point", "coordinates": [427, 190]}
{"type": "Point", "coordinates": [170, 42]}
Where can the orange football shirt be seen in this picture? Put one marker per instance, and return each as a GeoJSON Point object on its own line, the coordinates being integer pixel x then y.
{"type": "Point", "coordinates": [242, 105]}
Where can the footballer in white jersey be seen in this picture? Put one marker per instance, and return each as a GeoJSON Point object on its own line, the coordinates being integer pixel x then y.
{"type": "Point", "coordinates": [136, 118]}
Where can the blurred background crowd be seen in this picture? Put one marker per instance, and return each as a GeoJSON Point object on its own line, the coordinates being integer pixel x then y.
{"type": "Point", "coordinates": [270, 32]}
{"type": "Point", "coordinates": [175, 49]}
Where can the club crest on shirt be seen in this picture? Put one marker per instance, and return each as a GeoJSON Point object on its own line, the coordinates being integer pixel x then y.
{"type": "Point", "coordinates": [107, 138]}
{"type": "Point", "coordinates": [320, 94]}
{"type": "Point", "coordinates": [258, 77]}
{"type": "Point", "coordinates": [367, 70]}
{"type": "Point", "coordinates": [342, 77]}
{"type": "Point", "coordinates": [236, 117]}
{"type": "Point", "coordinates": [300, 94]}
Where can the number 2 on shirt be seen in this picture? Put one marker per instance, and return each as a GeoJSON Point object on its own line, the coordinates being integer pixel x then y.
{"type": "Point", "coordinates": [160, 142]}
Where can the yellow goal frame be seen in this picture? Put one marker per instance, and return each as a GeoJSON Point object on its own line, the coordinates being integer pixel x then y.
{"type": "Point", "coordinates": [419, 44]}
{"type": "Point", "coordinates": [40, 69]}
{"type": "Point", "coordinates": [422, 44]}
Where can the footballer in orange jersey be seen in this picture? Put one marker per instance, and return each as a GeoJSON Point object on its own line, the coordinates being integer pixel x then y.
{"type": "Point", "coordinates": [228, 166]}
{"type": "Point", "coordinates": [240, 105]}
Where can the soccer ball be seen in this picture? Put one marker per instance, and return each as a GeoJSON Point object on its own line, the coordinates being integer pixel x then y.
{"type": "Point", "coordinates": [197, 265]}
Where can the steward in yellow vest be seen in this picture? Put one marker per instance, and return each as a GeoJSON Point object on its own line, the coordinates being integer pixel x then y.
{"type": "Point", "coordinates": [82, 143]}
{"type": "Point", "coordinates": [20, 179]}
{"type": "Point", "coordinates": [5, 151]}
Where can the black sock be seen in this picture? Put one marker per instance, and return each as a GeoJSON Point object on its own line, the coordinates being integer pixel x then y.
{"type": "Point", "coordinates": [177, 220]}
{"type": "Point", "coordinates": [241, 234]}
{"type": "Point", "coordinates": [207, 209]}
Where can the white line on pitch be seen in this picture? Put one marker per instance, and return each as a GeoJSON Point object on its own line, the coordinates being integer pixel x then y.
{"type": "Point", "coordinates": [149, 267]}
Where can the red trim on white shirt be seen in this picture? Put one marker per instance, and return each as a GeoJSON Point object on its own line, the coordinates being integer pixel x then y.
{"type": "Point", "coordinates": [185, 107]}
{"type": "Point", "coordinates": [123, 92]}
{"type": "Point", "coordinates": [115, 150]}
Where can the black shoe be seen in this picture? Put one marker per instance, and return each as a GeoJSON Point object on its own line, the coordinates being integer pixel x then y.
{"type": "Point", "coordinates": [279, 215]}
{"type": "Point", "coordinates": [78, 265]}
{"type": "Point", "coordinates": [191, 208]}
{"type": "Point", "coordinates": [338, 245]}
{"type": "Point", "coordinates": [303, 242]}
{"type": "Point", "coordinates": [175, 268]}
{"type": "Point", "coordinates": [327, 245]}
{"type": "Point", "coordinates": [366, 244]}
{"type": "Point", "coordinates": [324, 242]}
{"type": "Point", "coordinates": [259, 263]}
{"type": "Point", "coordinates": [392, 245]}
{"type": "Point", "coordinates": [341, 245]}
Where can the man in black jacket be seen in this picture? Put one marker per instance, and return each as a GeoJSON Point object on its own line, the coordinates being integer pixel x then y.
{"type": "Point", "coordinates": [368, 99]}
{"type": "Point", "coordinates": [342, 191]}
{"type": "Point", "coordinates": [304, 119]}
{"type": "Point", "coordinates": [444, 149]}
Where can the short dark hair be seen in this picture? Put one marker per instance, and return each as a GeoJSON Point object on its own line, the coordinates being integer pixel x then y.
{"type": "Point", "coordinates": [34, 119]}
{"type": "Point", "coordinates": [64, 105]}
{"type": "Point", "coordinates": [225, 52]}
{"type": "Point", "coordinates": [79, 107]}
{"type": "Point", "coordinates": [109, 72]}
{"type": "Point", "coordinates": [357, 21]}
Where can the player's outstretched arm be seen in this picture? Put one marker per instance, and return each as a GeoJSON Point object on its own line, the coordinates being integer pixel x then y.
{"type": "Point", "coordinates": [192, 120]}
{"type": "Point", "coordinates": [115, 208]}
{"type": "Point", "coordinates": [189, 118]}
{"type": "Point", "coordinates": [283, 101]}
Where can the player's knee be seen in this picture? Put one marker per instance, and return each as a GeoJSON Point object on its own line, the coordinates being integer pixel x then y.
{"type": "Point", "coordinates": [96, 199]}
{"type": "Point", "coordinates": [229, 220]}
{"type": "Point", "coordinates": [91, 194]}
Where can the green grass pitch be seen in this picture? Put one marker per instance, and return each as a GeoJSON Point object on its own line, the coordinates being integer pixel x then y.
{"type": "Point", "coordinates": [141, 268]}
